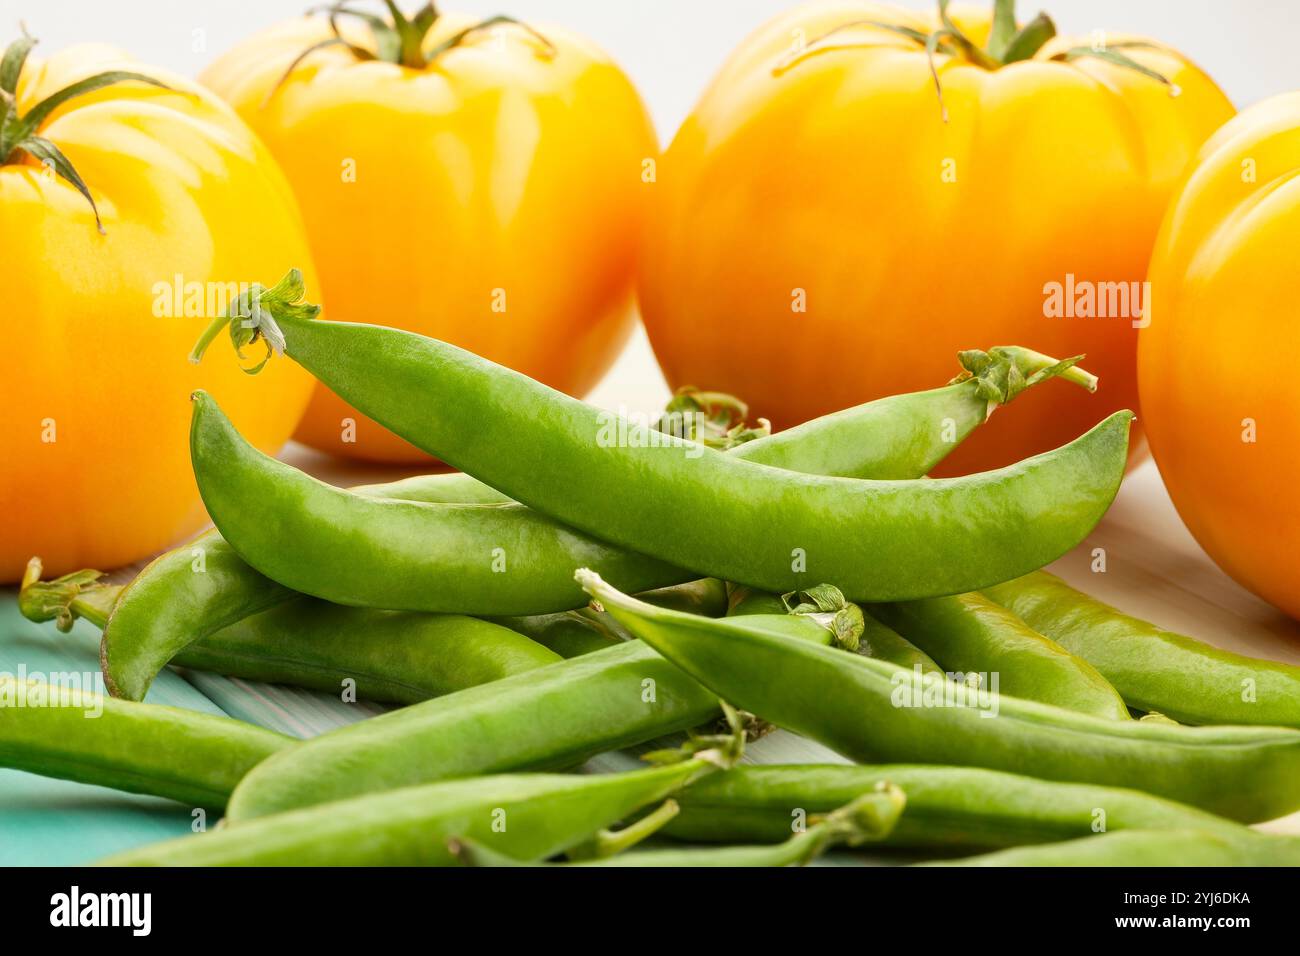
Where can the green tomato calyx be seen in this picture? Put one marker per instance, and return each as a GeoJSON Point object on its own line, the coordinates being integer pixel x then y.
{"type": "Point", "coordinates": [1008, 43]}
{"type": "Point", "coordinates": [19, 133]}
{"type": "Point", "coordinates": [401, 39]}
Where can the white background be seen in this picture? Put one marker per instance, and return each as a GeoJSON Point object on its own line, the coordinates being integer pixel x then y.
{"type": "Point", "coordinates": [671, 49]}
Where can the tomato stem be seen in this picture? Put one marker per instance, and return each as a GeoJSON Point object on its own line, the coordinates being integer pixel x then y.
{"type": "Point", "coordinates": [1007, 44]}
{"type": "Point", "coordinates": [400, 39]}
{"type": "Point", "coordinates": [19, 133]}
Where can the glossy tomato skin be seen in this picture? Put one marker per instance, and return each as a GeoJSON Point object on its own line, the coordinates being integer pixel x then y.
{"type": "Point", "coordinates": [1217, 365]}
{"type": "Point", "coordinates": [821, 237]}
{"type": "Point", "coordinates": [494, 199]}
{"type": "Point", "coordinates": [95, 382]}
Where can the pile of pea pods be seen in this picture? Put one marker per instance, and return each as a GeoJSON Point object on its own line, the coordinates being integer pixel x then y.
{"type": "Point", "coordinates": [579, 588]}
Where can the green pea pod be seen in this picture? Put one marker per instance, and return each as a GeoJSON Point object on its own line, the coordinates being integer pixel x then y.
{"type": "Point", "coordinates": [1155, 669]}
{"type": "Point", "coordinates": [885, 644]}
{"type": "Point", "coordinates": [869, 818]}
{"type": "Point", "coordinates": [404, 555]}
{"type": "Point", "coordinates": [947, 807]}
{"type": "Point", "coordinates": [397, 657]}
{"type": "Point", "coordinates": [1150, 848]}
{"type": "Point", "coordinates": [872, 711]}
{"type": "Point", "coordinates": [743, 600]}
{"type": "Point", "coordinates": [530, 816]}
{"type": "Point", "coordinates": [877, 640]}
{"type": "Point", "coordinates": [674, 500]}
{"type": "Point", "coordinates": [141, 748]}
{"type": "Point", "coordinates": [970, 634]}
{"type": "Point", "coordinates": [547, 719]}
{"type": "Point", "coordinates": [204, 586]}
{"type": "Point", "coordinates": [508, 559]}
{"type": "Point", "coordinates": [581, 631]}
{"type": "Point", "coordinates": [706, 596]}
{"type": "Point", "coordinates": [567, 633]}
{"type": "Point", "coordinates": [196, 590]}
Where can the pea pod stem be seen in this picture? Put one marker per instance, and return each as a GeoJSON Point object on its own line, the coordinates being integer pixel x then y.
{"type": "Point", "coordinates": [79, 735]}
{"type": "Point", "coordinates": [680, 502]}
{"type": "Point", "coordinates": [869, 710]}
{"type": "Point", "coordinates": [1153, 668]}
{"type": "Point", "coordinates": [610, 842]}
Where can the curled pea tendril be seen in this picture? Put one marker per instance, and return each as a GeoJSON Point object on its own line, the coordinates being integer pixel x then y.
{"type": "Point", "coordinates": [252, 317]}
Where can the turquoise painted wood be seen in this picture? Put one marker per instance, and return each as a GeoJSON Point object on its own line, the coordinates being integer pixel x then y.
{"type": "Point", "coordinates": [46, 822]}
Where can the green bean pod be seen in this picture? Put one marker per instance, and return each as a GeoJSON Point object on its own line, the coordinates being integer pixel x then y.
{"type": "Point", "coordinates": [547, 719]}
{"type": "Point", "coordinates": [674, 500]}
{"type": "Point", "coordinates": [529, 816]}
{"type": "Point", "coordinates": [968, 633]}
{"type": "Point", "coordinates": [581, 631]}
{"type": "Point", "coordinates": [391, 656]}
{"type": "Point", "coordinates": [1155, 669]}
{"type": "Point", "coordinates": [877, 640]}
{"type": "Point", "coordinates": [1150, 848]}
{"type": "Point", "coordinates": [567, 633]}
{"type": "Point", "coordinates": [508, 559]}
{"type": "Point", "coordinates": [867, 818]}
{"type": "Point", "coordinates": [399, 657]}
{"type": "Point", "coordinates": [204, 586]}
{"type": "Point", "coordinates": [403, 555]}
{"type": "Point", "coordinates": [141, 748]}
{"type": "Point", "coordinates": [871, 711]}
{"type": "Point", "coordinates": [947, 807]}
{"type": "Point", "coordinates": [886, 644]}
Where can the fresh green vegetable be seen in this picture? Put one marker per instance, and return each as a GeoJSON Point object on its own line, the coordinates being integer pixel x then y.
{"type": "Point", "coordinates": [947, 807]}
{"type": "Point", "coordinates": [551, 718]}
{"type": "Point", "coordinates": [530, 816]}
{"type": "Point", "coordinates": [393, 656]}
{"type": "Point", "coordinates": [867, 819]}
{"type": "Point", "coordinates": [870, 710]}
{"type": "Point", "coordinates": [674, 500]}
{"type": "Point", "coordinates": [1155, 669]}
{"type": "Point", "coordinates": [142, 748]}
{"type": "Point", "coordinates": [1151, 848]}
{"type": "Point", "coordinates": [885, 644]}
{"type": "Point", "coordinates": [197, 590]}
{"type": "Point", "coordinates": [968, 633]}
{"type": "Point", "coordinates": [204, 586]}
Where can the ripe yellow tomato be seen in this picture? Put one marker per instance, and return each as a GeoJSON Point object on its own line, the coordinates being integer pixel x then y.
{"type": "Point", "coordinates": [95, 381]}
{"type": "Point", "coordinates": [492, 196]}
{"type": "Point", "coordinates": [821, 236]}
{"type": "Point", "coordinates": [1217, 365]}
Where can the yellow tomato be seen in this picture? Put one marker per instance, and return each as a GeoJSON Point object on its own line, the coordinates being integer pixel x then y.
{"type": "Point", "coordinates": [95, 382]}
{"type": "Point", "coordinates": [1217, 365]}
{"type": "Point", "coordinates": [491, 197]}
{"type": "Point", "coordinates": [821, 236]}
